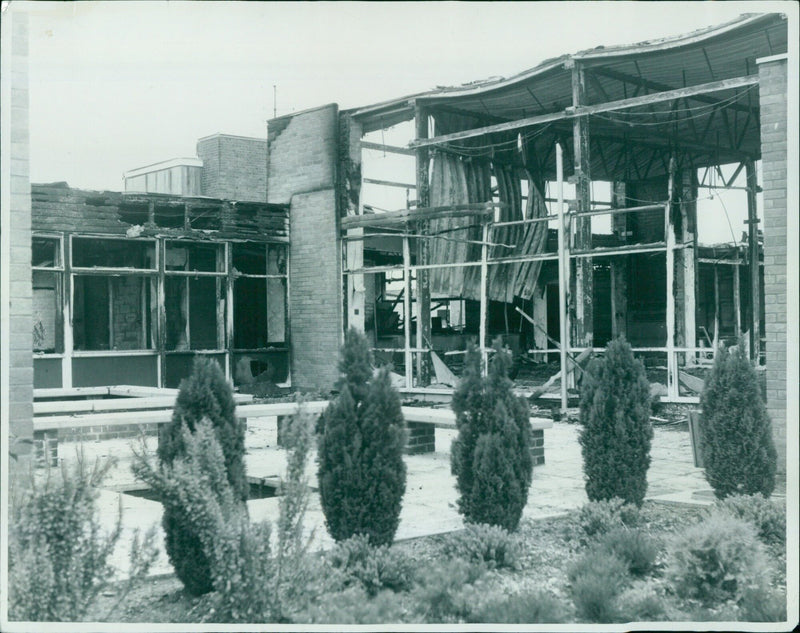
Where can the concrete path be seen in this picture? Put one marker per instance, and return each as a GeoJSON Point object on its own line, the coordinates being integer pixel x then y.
{"type": "Point", "coordinates": [429, 505]}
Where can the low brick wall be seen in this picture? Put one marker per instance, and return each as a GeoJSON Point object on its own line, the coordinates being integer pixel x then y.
{"type": "Point", "coordinates": [421, 438]}
{"type": "Point", "coordinates": [45, 443]}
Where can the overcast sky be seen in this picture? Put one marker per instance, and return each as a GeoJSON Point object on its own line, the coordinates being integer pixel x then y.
{"type": "Point", "coordinates": [119, 85]}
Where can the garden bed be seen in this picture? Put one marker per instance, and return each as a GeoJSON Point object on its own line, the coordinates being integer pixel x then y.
{"type": "Point", "coordinates": [548, 549]}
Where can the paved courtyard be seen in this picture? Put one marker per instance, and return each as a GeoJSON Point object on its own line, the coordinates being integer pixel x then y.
{"type": "Point", "coordinates": [429, 505]}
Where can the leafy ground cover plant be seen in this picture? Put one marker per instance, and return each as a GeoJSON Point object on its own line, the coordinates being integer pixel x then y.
{"type": "Point", "coordinates": [487, 544]}
{"type": "Point", "coordinates": [58, 550]}
{"type": "Point", "coordinates": [445, 591]}
{"type": "Point", "coordinates": [737, 445]}
{"type": "Point", "coordinates": [491, 457]}
{"type": "Point", "coordinates": [616, 431]}
{"type": "Point", "coordinates": [362, 475]}
{"type": "Point", "coordinates": [716, 560]}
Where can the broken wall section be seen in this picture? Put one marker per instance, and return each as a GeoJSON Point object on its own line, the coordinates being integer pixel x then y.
{"type": "Point", "coordinates": [302, 172]}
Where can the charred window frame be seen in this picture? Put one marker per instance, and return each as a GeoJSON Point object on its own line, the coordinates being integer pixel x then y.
{"type": "Point", "coordinates": [47, 277]}
{"type": "Point", "coordinates": [259, 292]}
{"type": "Point", "coordinates": [114, 285]}
{"type": "Point", "coordinates": [195, 296]}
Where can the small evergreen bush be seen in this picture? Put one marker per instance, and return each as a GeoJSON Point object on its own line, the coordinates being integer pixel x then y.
{"type": "Point", "coordinates": [489, 544]}
{"type": "Point", "coordinates": [762, 604]}
{"type": "Point", "coordinates": [641, 604]}
{"type": "Point", "coordinates": [596, 518]}
{"type": "Point", "coordinates": [737, 445]}
{"type": "Point", "coordinates": [634, 547]}
{"type": "Point", "coordinates": [362, 475]}
{"type": "Point", "coordinates": [374, 568]}
{"type": "Point", "coordinates": [491, 456]}
{"type": "Point", "coordinates": [596, 579]}
{"type": "Point", "coordinates": [716, 560]}
{"type": "Point", "coordinates": [768, 517]}
{"type": "Point", "coordinates": [353, 606]}
{"type": "Point", "coordinates": [205, 394]}
{"type": "Point", "coordinates": [58, 550]}
{"type": "Point", "coordinates": [236, 554]}
{"type": "Point", "coordinates": [535, 607]}
{"type": "Point", "coordinates": [447, 591]}
{"type": "Point", "coordinates": [616, 434]}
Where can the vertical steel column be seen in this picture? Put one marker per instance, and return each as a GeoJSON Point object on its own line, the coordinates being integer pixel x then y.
{"type": "Point", "coordinates": [423, 253]}
{"type": "Point", "coordinates": [755, 277]}
{"type": "Point", "coordinates": [563, 278]}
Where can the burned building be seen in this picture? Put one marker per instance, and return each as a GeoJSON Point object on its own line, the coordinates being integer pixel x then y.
{"type": "Point", "coordinates": [499, 228]}
{"type": "Point", "coordinates": [129, 287]}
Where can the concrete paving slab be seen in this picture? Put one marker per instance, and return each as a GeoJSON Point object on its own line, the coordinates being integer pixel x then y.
{"type": "Point", "coordinates": [429, 505]}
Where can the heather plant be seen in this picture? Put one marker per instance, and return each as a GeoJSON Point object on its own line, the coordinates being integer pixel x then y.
{"type": "Point", "coordinates": [595, 518]}
{"type": "Point", "coordinates": [488, 544]}
{"type": "Point", "coordinates": [767, 516]}
{"type": "Point", "coordinates": [737, 445]}
{"type": "Point", "coordinates": [616, 434]}
{"type": "Point", "coordinates": [373, 568]}
{"type": "Point", "coordinates": [533, 607]}
{"type": "Point", "coordinates": [716, 560]}
{"type": "Point", "coordinates": [596, 579]}
{"type": "Point", "coordinates": [205, 394]}
{"type": "Point", "coordinates": [447, 591]}
{"type": "Point", "coordinates": [58, 550]}
{"type": "Point", "coordinates": [641, 603]}
{"type": "Point", "coordinates": [638, 550]}
{"type": "Point", "coordinates": [491, 456]}
{"type": "Point", "coordinates": [362, 475]}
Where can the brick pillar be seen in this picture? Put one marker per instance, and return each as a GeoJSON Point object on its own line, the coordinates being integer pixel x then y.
{"type": "Point", "coordinates": [16, 235]}
{"type": "Point", "coordinates": [421, 438]}
{"type": "Point", "coordinates": [772, 73]}
{"type": "Point", "coordinates": [303, 152]}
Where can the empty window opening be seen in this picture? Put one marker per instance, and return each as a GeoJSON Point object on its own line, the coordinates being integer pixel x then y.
{"type": "Point", "coordinates": [205, 218]}
{"type": "Point", "coordinates": [195, 310]}
{"type": "Point", "coordinates": [113, 312]}
{"type": "Point", "coordinates": [194, 257]}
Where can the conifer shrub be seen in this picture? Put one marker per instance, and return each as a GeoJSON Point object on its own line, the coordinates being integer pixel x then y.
{"type": "Point", "coordinates": [205, 394]}
{"type": "Point", "coordinates": [595, 518]}
{"type": "Point", "coordinates": [634, 547]}
{"type": "Point", "coordinates": [737, 445]}
{"type": "Point", "coordinates": [716, 560]}
{"type": "Point", "coordinates": [491, 456]}
{"type": "Point", "coordinates": [236, 553]}
{"type": "Point", "coordinates": [362, 475]}
{"type": "Point", "coordinates": [488, 544]}
{"type": "Point", "coordinates": [374, 568]}
{"type": "Point", "coordinates": [532, 607]}
{"type": "Point", "coordinates": [767, 516]}
{"type": "Point", "coordinates": [616, 434]}
{"type": "Point", "coordinates": [596, 579]}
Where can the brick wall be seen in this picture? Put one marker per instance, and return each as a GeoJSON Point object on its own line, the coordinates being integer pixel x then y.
{"type": "Point", "coordinates": [234, 167]}
{"type": "Point", "coordinates": [772, 99]}
{"type": "Point", "coordinates": [302, 172]}
{"type": "Point", "coordinates": [17, 233]}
